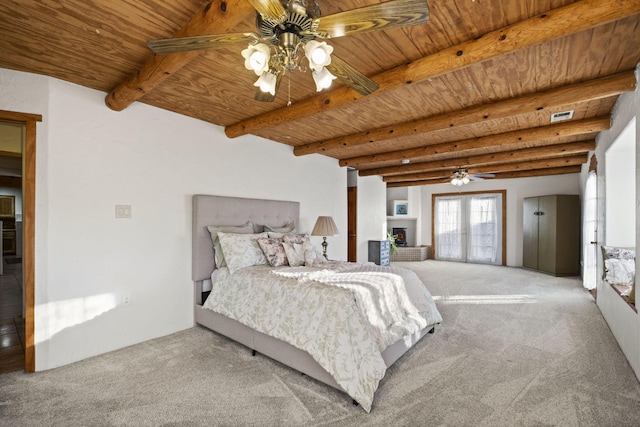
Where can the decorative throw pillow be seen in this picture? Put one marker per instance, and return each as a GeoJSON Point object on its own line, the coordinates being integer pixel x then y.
{"type": "Point", "coordinates": [612, 252]}
{"type": "Point", "coordinates": [295, 253]}
{"type": "Point", "coordinates": [215, 229]}
{"type": "Point", "coordinates": [296, 238]}
{"type": "Point", "coordinates": [242, 250]}
{"type": "Point", "coordinates": [619, 271]}
{"type": "Point", "coordinates": [273, 251]}
{"type": "Point", "coordinates": [287, 228]}
{"type": "Point", "coordinates": [275, 235]}
{"type": "Point", "coordinates": [312, 256]}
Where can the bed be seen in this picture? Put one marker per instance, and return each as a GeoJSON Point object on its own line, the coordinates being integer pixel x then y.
{"type": "Point", "coordinates": [232, 211]}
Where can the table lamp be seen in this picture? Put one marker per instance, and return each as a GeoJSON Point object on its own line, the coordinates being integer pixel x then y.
{"type": "Point", "coordinates": [325, 227]}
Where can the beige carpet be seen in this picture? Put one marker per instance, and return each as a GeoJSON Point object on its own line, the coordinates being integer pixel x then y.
{"type": "Point", "coordinates": [516, 348]}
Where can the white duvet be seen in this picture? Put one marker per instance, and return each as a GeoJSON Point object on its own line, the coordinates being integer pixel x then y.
{"type": "Point", "coordinates": [343, 314]}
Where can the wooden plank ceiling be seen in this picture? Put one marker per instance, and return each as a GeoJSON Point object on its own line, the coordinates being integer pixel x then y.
{"type": "Point", "coordinates": [474, 87]}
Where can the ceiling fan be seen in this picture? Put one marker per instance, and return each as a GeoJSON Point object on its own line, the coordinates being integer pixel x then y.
{"type": "Point", "coordinates": [461, 177]}
{"type": "Point", "coordinates": [289, 31]}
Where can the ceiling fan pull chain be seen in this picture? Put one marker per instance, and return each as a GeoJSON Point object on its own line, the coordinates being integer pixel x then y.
{"type": "Point", "coordinates": [289, 87]}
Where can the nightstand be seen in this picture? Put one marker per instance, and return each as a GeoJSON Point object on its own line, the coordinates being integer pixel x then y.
{"type": "Point", "coordinates": [379, 252]}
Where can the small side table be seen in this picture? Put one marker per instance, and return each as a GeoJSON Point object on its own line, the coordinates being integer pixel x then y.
{"type": "Point", "coordinates": [379, 252]}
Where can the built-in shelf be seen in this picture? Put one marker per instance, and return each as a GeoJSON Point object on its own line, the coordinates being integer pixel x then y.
{"type": "Point", "coordinates": [401, 218]}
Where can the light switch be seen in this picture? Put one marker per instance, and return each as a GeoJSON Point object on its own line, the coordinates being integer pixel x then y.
{"type": "Point", "coordinates": [123, 211]}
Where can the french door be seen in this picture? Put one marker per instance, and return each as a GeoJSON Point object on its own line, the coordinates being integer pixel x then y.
{"type": "Point", "coordinates": [469, 228]}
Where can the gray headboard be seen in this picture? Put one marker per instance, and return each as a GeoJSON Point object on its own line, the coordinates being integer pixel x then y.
{"type": "Point", "coordinates": [220, 210]}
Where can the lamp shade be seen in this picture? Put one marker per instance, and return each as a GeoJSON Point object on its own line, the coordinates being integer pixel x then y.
{"type": "Point", "coordinates": [325, 227]}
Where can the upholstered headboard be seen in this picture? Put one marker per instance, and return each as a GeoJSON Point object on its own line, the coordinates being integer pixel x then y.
{"type": "Point", "coordinates": [220, 210]}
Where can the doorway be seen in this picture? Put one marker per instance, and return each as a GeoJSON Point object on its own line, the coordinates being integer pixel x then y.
{"type": "Point", "coordinates": [590, 233]}
{"type": "Point", "coordinates": [27, 123]}
{"type": "Point", "coordinates": [469, 227]}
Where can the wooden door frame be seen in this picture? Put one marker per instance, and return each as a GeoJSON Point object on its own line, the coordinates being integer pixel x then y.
{"type": "Point", "coordinates": [28, 225]}
{"type": "Point", "coordinates": [352, 224]}
{"type": "Point", "coordinates": [504, 217]}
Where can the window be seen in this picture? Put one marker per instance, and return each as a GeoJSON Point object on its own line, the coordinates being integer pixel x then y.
{"type": "Point", "coordinates": [469, 227]}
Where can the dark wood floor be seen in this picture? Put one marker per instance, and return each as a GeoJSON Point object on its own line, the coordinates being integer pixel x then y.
{"type": "Point", "coordinates": [11, 321]}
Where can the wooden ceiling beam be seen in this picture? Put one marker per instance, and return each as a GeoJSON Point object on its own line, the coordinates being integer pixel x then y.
{"type": "Point", "coordinates": [508, 156]}
{"type": "Point", "coordinates": [506, 167]}
{"type": "Point", "coordinates": [516, 140]}
{"type": "Point", "coordinates": [556, 23]}
{"type": "Point", "coordinates": [539, 172]}
{"type": "Point", "coordinates": [218, 16]}
{"type": "Point", "coordinates": [548, 101]}
{"type": "Point", "coordinates": [506, 175]}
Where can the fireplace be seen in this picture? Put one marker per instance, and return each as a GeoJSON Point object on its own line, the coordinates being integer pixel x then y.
{"type": "Point", "coordinates": [401, 236]}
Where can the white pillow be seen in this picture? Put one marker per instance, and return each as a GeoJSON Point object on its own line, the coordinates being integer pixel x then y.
{"type": "Point", "coordinates": [312, 256]}
{"type": "Point", "coordinates": [290, 237]}
{"type": "Point", "coordinates": [295, 253]}
{"type": "Point", "coordinates": [619, 271]}
{"type": "Point", "coordinates": [287, 228]}
{"type": "Point", "coordinates": [296, 238]}
{"type": "Point", "coordinates": [215, 229]}
{"type": "Point", "coordinates": [242, 250]}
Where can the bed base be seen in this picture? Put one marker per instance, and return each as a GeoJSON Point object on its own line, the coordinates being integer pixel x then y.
{"type": "Point", "coordinates": [283, 352]}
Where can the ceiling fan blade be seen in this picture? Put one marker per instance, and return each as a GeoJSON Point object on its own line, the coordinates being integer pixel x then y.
{"type": "Point", "coordinates": [266, 96]}
{"type": "Point", "coordinates": [351, 77]}
{"type": "Point", "coordinates": [270, 9]}
{"type": "Point", "coordinates": [475, 178]}
{"type": "Point", "coordinates": [392, 14]}
{"type": "Point", "coordinates": [485, 175]}
{"type": "Point", "coordinates": [188, 44]}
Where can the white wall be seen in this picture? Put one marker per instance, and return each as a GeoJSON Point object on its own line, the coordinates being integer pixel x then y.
{"type": "Point", "coordinates": [412, 221]}
{"type": "Point", "coordinates": [517, 190]}
{"type": "Point", "coordinates": [89, 159]}
{"type": "Point", "coordinates": [620, 215]}
{"type": "Point", "coordinates": [371, 213]}
{"type": "Point", "coordinates": [623, 321]}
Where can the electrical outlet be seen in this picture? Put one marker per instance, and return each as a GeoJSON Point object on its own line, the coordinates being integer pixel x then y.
{"type": "Point", "coordinates": [123, 211]}
{"type": "Point", "coordinates": [126, 300]}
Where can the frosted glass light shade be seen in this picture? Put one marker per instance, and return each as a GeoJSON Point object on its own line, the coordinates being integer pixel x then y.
{"type": "Point", "coordinates": [318, 54]}
{"type": "Point", "coordinates": [267, 82]}
{"type": "Point", "coordinates": [256, 58]}
{"type": "Point", "coordinates": [323, 78]}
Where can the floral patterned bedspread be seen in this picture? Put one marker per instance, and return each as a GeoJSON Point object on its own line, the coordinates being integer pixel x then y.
{"type": "Point", "coordinates": [343, 314]}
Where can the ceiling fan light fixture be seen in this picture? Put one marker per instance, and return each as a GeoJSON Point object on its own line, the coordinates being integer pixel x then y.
{"type": "Point", "coordinates": [267, 82]}
{"type": "Point", "coordinates": [323, 78]}
{"type": "Point", "coordinates": [285, 27]}
{"type": "Point", "coordinates": [460, 177]}
{"type": "Point", "coordinates": [256, 58]}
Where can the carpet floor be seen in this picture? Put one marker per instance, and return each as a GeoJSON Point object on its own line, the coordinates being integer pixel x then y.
{"type": "Point", "coordinates": [516, 348]}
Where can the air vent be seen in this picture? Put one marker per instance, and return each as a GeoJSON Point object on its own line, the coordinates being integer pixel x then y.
{"type": "Point", "coordinates": [563, 115]}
